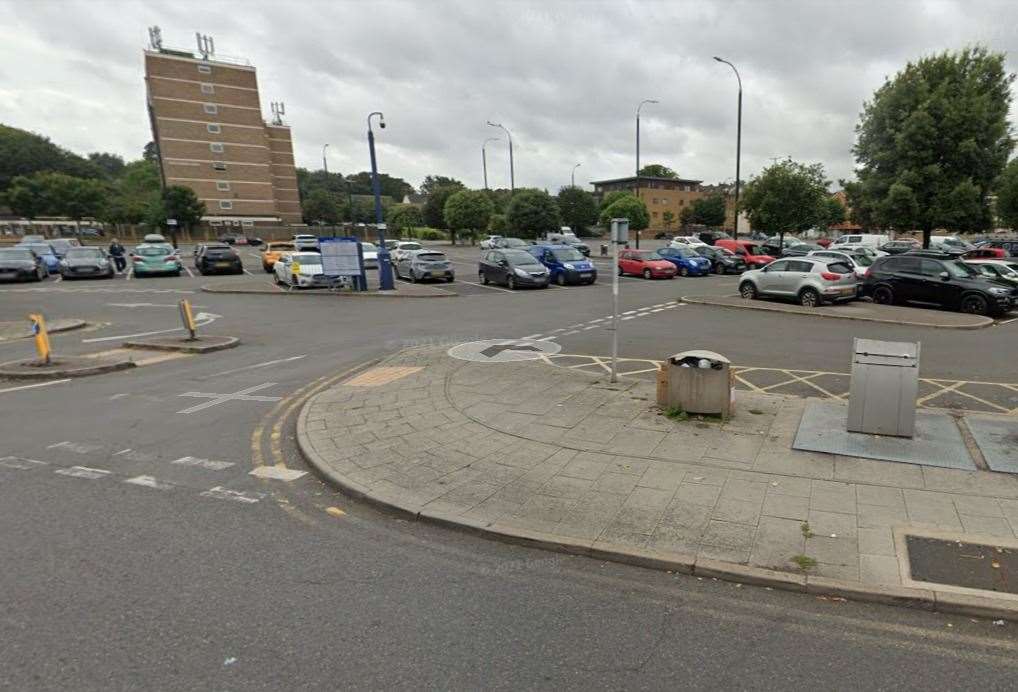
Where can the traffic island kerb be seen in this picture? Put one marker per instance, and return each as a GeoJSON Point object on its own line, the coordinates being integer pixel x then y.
{"type": "Point", "coordinates": [61, 367]}
{"type": "Point", "coordinates": [183, 344]}
{"type": "Point", "coordinates": [10, 331]}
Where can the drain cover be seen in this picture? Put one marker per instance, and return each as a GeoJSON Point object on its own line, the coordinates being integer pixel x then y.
{"type": "Point", "coordinates": [957, 563]}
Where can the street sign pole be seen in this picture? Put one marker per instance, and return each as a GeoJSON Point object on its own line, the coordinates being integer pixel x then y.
{"type": "Point", "coordinates": [619, 234]}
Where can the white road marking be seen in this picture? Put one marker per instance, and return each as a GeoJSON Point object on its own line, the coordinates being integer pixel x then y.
{"type": "Point", "coordinates": [571, 331]}
{"type": "Point", "coordinates": [1013, 319]}
{"type": "Point", "coordinates": [260, 365]}
{"type": "Point", "coordinates": [657, 310]}
{"type": "Point", "coordinates": [33, 386]}
{"type": "Point", "coordinates": [130, 274]}
{"type": "Point", "coordinates": [122, 451]}
{"type": "Point", "coordinates": [150, 305]}
{"type": "Point", "coordinates": [83, 472]}
{"type": "Point", "coordinates": [532, 336]}
{"type": "Point", "coordinates": [248, 272]}
{"type": "Point", "coordinates": [222, 493]}
{"type": "Point", "coordinates": [494, 288]}
{"type": "Point", "coordinates": [20, 463]}
{"type": "Point", "coordinates": [189, 272]}
{"type": "Point", "coordinates": [210, 464]}
{"type": "Point", "coordinates": [201, 319]}
{"type": "Point", "coordinates": [75, 447]}
{"type": "Point", "coordinates": [217, 399]}
{"type": "Point", "coordinates": [629, 317]}
{"type": "Point", "coordinates": [593, 326]}
{"type": "Point", "coordinates": [58, 279]}
{"type": "Point", "coordinates": [149, 482]}
{"type": "Point", "coordinates": [277, 473]}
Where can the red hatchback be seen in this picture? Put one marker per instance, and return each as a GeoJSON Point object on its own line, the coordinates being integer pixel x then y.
{"type": "Point", "coordinates": [644, 263]}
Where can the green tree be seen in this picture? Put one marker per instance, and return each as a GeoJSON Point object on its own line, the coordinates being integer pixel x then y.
{"type": "Point", "coordinates": [787, 196]}
{"type": "Point", "coordinates": [1007, 196]}
{"type": "Point", "coordinates": [932, 142]}
{"type": "Point", "coordinates": [627, 207]}
{"type": "Point", "coordinates": [151, 152]}
{"type": "Point", "coordinates": [497, 224]}
{"type": "Point", "coordinates": [25, 197]}
{"type": "Point", "coordinates": [434, 206]}
{"type": "Point", "coordinates": [467, 210]}
{"type": "Point", "coordinates": [133, 192]}
{"type": "Point", "coordinates": [577, 208]}
{"type": "Point", "coordinates": [500, 198]}
{"type": "Point", "coordinates": [834, 212]}
{"type": "Point", "coordinates": [404, 218]}
{"type": "Point", "coordinates": [668, 218]}
{"type": "Point", "coordinates": [25, 153]}
{"type": "Point", "coordinates": [657, 170]}
{"type": "Point", "coordinates": [182, 204]}
{"type": "Point", "coordinates": [613, 197]}
{"type": "Point", "coordinates": [532, 213]}
{"type": "Point", "coordinates": [396, 188]}
{"type": "Point", "coordinates": [110, 164]}
{"type": "Point", "coordinates": [320, 207]}
{"type": "Point", "coordinates": [434, 182]}
{"type": "Point", "coordinates": [709, 211]}
{"type": "Point", "coordinates": [309, 181]}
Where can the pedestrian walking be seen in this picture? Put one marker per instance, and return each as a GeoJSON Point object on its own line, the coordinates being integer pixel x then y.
{"type": "Point", "coordinates": [117, 252]}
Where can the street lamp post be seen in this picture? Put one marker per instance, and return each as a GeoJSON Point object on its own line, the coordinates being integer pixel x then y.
{"type": "Point", "coordinates": [638, 108]}
{"type": "Point", "coordinates": [572, 176]}
{"type": "Point", "coordinates": [385, 282]}
{"type": "Point", "coordinates": [738, 144]}
{"type": "Point", "coordinates": [484, 159]}
{"type": "Point", "coordinates": [325, 163]}
{"type": "Point", "coordinates": [512, 173]}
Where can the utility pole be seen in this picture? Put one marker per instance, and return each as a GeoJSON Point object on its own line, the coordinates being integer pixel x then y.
{"type": "Point", "coordinates": [484, 159]}
{"type": "Point", "coordinates": [619, 235]}
{"type": "Point", "coordinates": [738, 145]}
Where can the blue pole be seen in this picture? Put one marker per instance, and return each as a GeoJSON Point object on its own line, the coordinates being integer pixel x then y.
{"type": "Point", "coordinates": [385, 281]}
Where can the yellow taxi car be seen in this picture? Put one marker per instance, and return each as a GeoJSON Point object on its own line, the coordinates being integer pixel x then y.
{"type": "Point", "coordinates": [271, 253]}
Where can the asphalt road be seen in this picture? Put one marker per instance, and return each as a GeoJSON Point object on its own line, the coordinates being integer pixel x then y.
{"type": "Point", "coordinates": [139, 552]}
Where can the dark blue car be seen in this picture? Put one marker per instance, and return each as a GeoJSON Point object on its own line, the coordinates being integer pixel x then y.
{"type": "Point", "coordinates": [686, 260]}
{"type": "Point", "coordinates": [566, 265]}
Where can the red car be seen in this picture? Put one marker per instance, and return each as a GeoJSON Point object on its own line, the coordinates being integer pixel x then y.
{"type": "Point", "coordinates": [644, 263]}
{"type": "Point", "coordinates": [748, 250]}
{"type": "Point", "coordinates": [984, 253]}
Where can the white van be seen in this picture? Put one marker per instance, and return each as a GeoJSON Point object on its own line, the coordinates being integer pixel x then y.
{"type": "Point", "coordinates": [867, 239]}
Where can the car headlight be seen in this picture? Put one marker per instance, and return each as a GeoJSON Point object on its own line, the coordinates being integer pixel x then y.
{"type": "Point", "coordinates": [519, 272]}
{"type": "Point", "coordinates": [1000, 291]}
{"type": "Point", "coordinates": [568, 265]}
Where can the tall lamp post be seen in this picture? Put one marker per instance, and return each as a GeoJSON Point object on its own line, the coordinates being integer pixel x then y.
{"type": "Point", "coordinates": [638, 108]}
{"type": "Point", "coordinates": [738, 144]}
{"type": "Point", "coordinates": [512, 173]}
{"type": "Point", "coordinates": [484, 159]}
{"type": "Point", "coordinates": [325, 163]}
{"type": "Point", "coordinates": [572, 176]}
{"type": "Point", "coordinates": [384, 268]}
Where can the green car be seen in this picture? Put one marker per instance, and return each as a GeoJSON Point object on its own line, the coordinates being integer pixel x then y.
{"type": "Point", "coordinates": [155, 259]}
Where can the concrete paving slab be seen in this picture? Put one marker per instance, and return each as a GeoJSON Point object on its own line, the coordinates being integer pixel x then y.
{"type": "Point", "coordinates": [997, 439]}
{"type": "Point", "coordinates": [937, 441]}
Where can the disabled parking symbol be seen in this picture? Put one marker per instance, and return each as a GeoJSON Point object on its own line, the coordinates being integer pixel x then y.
{"type": "Point", "coordinates": [503, 350]}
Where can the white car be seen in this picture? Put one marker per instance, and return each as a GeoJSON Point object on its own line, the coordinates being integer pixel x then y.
{"type": "Point", "coordinates": [403, 249]}
{"type": "Point", "coordinates": [488, 244]}
{"type": "Point", "coordinates": [300, 270]}
{"type": "Point", "coordinates": [858, 249]}
{"type": "Point", "coordinates": [859, 261]}
{"type": "Point", "coordinates": [686, 240]}
{"type": "Point", "coordinates": [996, 269]}
{"type": "Point", "coordinates": [305, 241]}
{"type": "Point", "coordinates": [370, 253]}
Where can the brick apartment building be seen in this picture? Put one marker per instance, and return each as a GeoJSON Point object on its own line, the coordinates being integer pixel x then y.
{"type": "Point", "coordinates": [207, 122]}
{"type": "Point", "coordinates": [659, 194]}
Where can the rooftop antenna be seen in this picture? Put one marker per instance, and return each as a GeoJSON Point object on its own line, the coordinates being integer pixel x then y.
{"type": "Point", "coordinates": [155, 38]}
{"type": "Point", "coordinates": [206, 46]}
{"type": "Point", "coordinates": [278, 111]}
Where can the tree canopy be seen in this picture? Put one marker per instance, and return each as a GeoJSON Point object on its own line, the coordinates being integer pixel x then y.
{"type": "Point", "coordinates": [467, 210]}
{"type": "Point", "coordinates": [433, 182]}
{"type": "Point", "coordinates": [434, 206]}
{"type": "Point", "coordinates": [786, 197]}
{"type": "Point", "coordinates": [1007, 196]}
{"type": "Point", "coordinates": [178, 203]}
{"type": "Point", "coordinates": [709, 211]}
{"type": "Point", "coordinates": [404, 217]}
{"type": "Point", "coordinates": [932, 142]}
{"type": "Point", "coordinates": [533, 213]}
{"type": "Point", "coordinates": [577, 208]}
{"type": "Point", "coordinates": [25, 153]}
{"type": "Point", "coordinates": [627, 207]}
{"type": "Point", "coordinates": [320, 207]}
{"type": "Point", "coordinates": [657, 170]}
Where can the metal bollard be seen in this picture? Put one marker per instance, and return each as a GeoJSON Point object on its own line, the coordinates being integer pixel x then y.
{"type": "Point", "coordinates": [188, 319]}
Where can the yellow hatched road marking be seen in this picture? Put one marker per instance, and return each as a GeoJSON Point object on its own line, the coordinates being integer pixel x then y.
{"type": "Point", "coordinates": [379, 376]}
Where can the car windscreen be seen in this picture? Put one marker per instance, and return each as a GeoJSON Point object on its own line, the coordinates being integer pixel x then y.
{"type": "Point", "coordinates": [862, 260]}
{"type": "Point", "coordinates": [959, 270]}
{"type": "Point", "coordinates": [513, 242]}
{"type": "Point", "coordinates": [83, 253]}
{"type": "Point", "coordinates": [683, 252]}
{"type": "Point", "coordinates": [519, 257]}
{"type": "Point", "coordinates": [40, 249]}
{"type": "Point", "coordinates": [307, 258]}
{"type": "Point", "coordinates": [278, 247]}
{"type": "Point", "coordinates": [369, 247]}
{"type": "Point", "coordinates": [18, 255]}
{"type": "Point", "coordinates": [218, 249]}
{"type": "Point", "coordinates": [752, 249]}
{"type": "Point", "coordinates": [154, 251]}
{"type": "Point", "coordinates": [429, 257]}
{"type": "Point", "coordinates": [410, 246]}
{"type": "Point", "coordinates": [566, 254]}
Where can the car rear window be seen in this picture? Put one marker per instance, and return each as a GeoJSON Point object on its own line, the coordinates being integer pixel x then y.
{"type": "Point", "coordinates": [278, 247]}
{"type": "Point", "coordinates": [839, 268]}
{"type": "Point", "coordinates": [153, 251]}
{"type": "Point", "coordinates": [430, 257]}
{"type": "Point", "coordinates": [40, 249]}
{"type": "Point", "coordinates": [83, 252]}
{"type": "Point", "coordinates": [410, 246]}
{"type": "Point", "coordinates": [307, 258]}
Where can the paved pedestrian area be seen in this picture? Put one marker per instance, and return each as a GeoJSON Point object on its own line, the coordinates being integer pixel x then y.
{"type": "Point", "coordinates": [538, 450]}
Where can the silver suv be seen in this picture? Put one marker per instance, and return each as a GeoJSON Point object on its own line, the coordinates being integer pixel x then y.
{"type": "Point", "coordinates": [811, 281]}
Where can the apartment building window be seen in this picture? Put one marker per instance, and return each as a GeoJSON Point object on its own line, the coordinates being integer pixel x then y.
{"type": "Point", "coordinates": [213, 128]}
{"type": "Point", "coordinates": [247, 224]}
{"type": "Point", "coordinates": [208, 89]}
{"type": "Point", "coordinates": [210, 108]}
{"type": "Point", "coordinates": [216, 147]}
{"type": "Point", "coordinates": [225, 204]}
{"type": "Point", "coordinates": [218, 166]}
{"type": "Point", "coordinates": [222, 186]}
{"type": "Point", "coordinates": [205, 69]}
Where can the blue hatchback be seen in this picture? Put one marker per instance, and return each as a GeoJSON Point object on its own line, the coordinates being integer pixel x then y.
{"type": "Point", "coordinates": [566, 265]}
{"type": "Point", "coordinates": [686, 260]}
{"type": "Point", "coordinates": [46, 253]}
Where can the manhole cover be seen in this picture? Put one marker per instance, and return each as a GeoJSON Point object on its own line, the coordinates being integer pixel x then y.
{"type": "Point", "coordinates": [958, 563]}
{"type": "Point", "coordinates": [503, 350]}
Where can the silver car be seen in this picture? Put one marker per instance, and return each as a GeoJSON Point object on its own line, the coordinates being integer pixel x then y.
{"type": "Point", "coordinates": [811, 281]}
{"type": "Point", "coordinates": [418, 265]}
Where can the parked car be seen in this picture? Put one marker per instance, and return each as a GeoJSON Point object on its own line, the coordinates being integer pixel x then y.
{"type": "Point", "coordinates": [32, 238]}
{"type": "Point", "coordinates": [824, 242]}
{"type": "Point", "coordinates": [300, 269]}
{"type": "Point", "coordinates": [391, 244]}
{"type": "Point", "coordinates": [420, 264]}
{"type": "Point", "coordinates": [62, 245]}
{"type": "Point", "coordinates": [509, 244]}
{"type": "Point", "coordinates": [156, 258]}
{"type": "Point", "coordinates": [997, 269]}
{"type": "Point", "coordinates": [871, 239]}
{"type": "Point", "coordinates": [87, 262]}
{"type": "Point", "coordinates": [45, 252]}
{"type": "Point", "coordinates": [984, 253]}
{"type": "Point", "coordinates": [305, 241]}
{"type": "Point", "coordinates": [937, 279]}
{"type": "Point", "coordinates": [859, 261]}
{"type": "Point", "coordinates": [488, 243]}
{"type": "Point", "coordinates": [898, 247]}
{"type": "Point", "coordinates": [1009, 245]}
{"type": "Point", "coordinates": [90, 232]}
{"type": "Point", "coordinates": [687, 261]}
{"type": "Point", "coordinates": [751, 252]}
{"type": "Point", "coordinates": [568, 238]}
{"type": "Point", "coordinates": [566, 264]}
{"type": "Point", "coordinates": [21, 264]}
{"type": "Point", "coordinates": [646, 264]}
{"type": "Point", "coordinates": [801, 249]}
{"type": "Point", "coordinates": [237, 239]}
{"type": "Point", "coordinates": [722, 261]}
{"type": "Point", "coordinates": [950, 243]}
{"type": "Point", "coordinates": [810, 281]}
{"type": "Point", "coordinates": [403, 248]}
{"type": "Point", "coordinates": [776, 247]}
{"type": "Point", "coordinates": [711, 237]}
{"type": "Point", "coordinates": [513, 267]}
{"type": "Point", "coordinates": [687, 240]}
{"type": "Point", "coordinates": [153, 239]}
{"type": "Point", "coordinates": [217, 257]}
{"type": "Point", "coordinates": [272, 252]}
{"type": "Point", "coordinates": [369, 252]}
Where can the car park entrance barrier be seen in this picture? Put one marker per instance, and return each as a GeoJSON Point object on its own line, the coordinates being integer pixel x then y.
{"type": "Point", "coordinates": [885, 383]}
{"type": "Point", "coordinates": [696, 382]}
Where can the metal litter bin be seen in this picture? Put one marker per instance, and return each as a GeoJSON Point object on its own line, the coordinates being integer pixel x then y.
{"type": "Point", "coordinates": [885, 382]}
{"type": "Point", "coordinates": [698, 382]}
{"type": "Point", "coordinates": [604, 249]}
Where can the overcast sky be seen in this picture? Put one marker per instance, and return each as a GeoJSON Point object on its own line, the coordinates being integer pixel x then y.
{"type": "Point", "coordinates": [564, 77]}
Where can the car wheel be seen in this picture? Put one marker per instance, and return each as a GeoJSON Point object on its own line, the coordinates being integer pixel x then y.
{"type": "Point", "coordinates": [646, 273]}
{"type": "Point", "coordinates": [560, 279]}
{"type": "Point", "coordinates": [510, 283]}
{"type": "Point", "coordinates": [176, 273]}
{"type": "Point", "coordinates": [683, 271]}
{"type": "Point", "coordinates": [413, 276]}
{"type": "Point", "coordinates": [809, 298]}
{"type": "Point", "coordinates": [621, 273]}
{"type": "Point", "coordinates": [450, 279]}
{"type": "Point", "coordinates": [748, 291]}
{"type": "Point", "coordinates": [974, 304]}
{"type": "Point", "coordinates": [268, 270]}
{"type": "Point", "coordinates": [883, 295]}
{"type": "Point", "coordinates": [483, 278]}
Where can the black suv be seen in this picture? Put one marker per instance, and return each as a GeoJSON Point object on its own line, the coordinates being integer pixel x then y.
{"type": "Point", "coordinates": [938, 279]}
{"type": "Point", "coordinates": [213, 258]}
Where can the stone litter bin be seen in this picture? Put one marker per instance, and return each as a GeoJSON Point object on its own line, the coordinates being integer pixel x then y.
{"type": "Point", "coordinates": [885, 383]}
{"type": "Point", "coordinates": [696, 382]}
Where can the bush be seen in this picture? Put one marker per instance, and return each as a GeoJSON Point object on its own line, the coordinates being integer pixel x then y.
{"type": "Point", "coordinates": [430, 234]}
